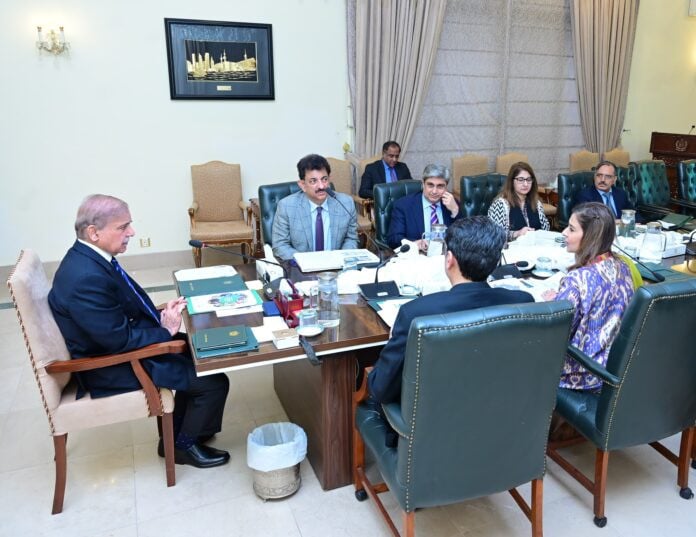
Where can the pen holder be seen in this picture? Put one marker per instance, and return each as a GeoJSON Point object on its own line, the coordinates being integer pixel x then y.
{"type": "Point", "coordinates": [288, 305]}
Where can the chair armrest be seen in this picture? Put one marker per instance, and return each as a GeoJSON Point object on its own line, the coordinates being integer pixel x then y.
{"type": "Point", "coordinates": [363, 205]}
{"type": "Point", "coordinates": [592, 366]}
{"type": "Point", "coordinates": [361, 393]}
{"type": "Point", "coordinates": [246, 211]}
{"type": "Point", "coordinates": [657, 209]}
{"type": "Point", "coordinates": [392, 411]}
{"type": "Point", "coordinates": [683, 203]}
{"type": "Point", "coordinates": [154, 402]}
{"type": "Point", "coordinates": [192, 211]}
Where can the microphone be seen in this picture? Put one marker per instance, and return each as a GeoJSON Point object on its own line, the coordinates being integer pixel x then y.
{"type": "Point", "coordinates": [268, 290]}
{"type": "Point", "coordinates": [332, 194]}
{"type": "Point", "coordinates": [691, 129]}
{"type": "Point", "coordinates": [387, 289]}
{"type": "Point", "coordinates": [655, 275]}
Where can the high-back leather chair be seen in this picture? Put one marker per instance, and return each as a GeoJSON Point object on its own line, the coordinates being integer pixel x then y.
{"type": "Point", "coordinates": [218, 214]}
{"type": "Point", "coordinates": [469, 164]}
{"type": "Point", "coordinates": [53, 370]}
{"type": "Point", "coordinates": [385, 196]}
{"type": "Point", "coordinates": [269, 196]}
{"type": "Point", "coordinates": [583, 161]}
{"type": "Point", "coordinates": [569, 184]}
{"type": "Point", "coordinates": [686, 180]}
{"type": "Point", "coordinates": [478, 392]}
{"type": "Point", "coordinates": [627, 181]}
{"type": "Point", "coordinates": [648, 391]}
{"type": "Point", "coordinates": [479, 191]}
{"type": "Point", "coordinates": [653, 186]}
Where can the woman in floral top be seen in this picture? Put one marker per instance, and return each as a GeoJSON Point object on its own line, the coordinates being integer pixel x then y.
{"type": "Point", "coordinates": [598, 284]}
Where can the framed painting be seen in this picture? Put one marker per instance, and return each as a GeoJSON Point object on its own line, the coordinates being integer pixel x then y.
{"type": "Point", "coordinates": [219, 60]}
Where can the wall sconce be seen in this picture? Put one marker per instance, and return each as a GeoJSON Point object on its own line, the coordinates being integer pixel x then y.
{"type": "Point", "coordinates": [56, 43]}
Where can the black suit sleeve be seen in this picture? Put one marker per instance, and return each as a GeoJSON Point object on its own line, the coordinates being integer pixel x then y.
{"type": "Point", "coordinates": [369, 179]}
{"type": "Point", "coordinates": [384, 382]}
{"type": "Point", "coordinates": [404, 172]}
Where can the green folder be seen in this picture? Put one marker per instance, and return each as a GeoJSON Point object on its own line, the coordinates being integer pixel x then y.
{"type": "Point", "coordinates": [675, 220]}
{"type": "Point", "coordinates": [210, 286]}
{"type": "Point", "coordinates": [251, 344]}
{"type": "Point", "coordinates": [224, 337]}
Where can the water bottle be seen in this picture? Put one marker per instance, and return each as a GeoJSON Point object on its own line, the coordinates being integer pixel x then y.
{"type": "Point", "coordinates": [329, 309]}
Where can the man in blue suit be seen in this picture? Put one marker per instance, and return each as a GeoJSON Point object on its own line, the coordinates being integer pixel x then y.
{"type": "Point", "coordinates": [311, 220]}
{"type": "Point", "coordinates": [386, 170]}
{"type": "Point", "coordinates": [414, 214]}
{"type": "Point", "coordinates": [474, 246]}
{"type": "Point", "coordinates": [101, 310]}
{"type": "Point", "coordinates": [605, 192]}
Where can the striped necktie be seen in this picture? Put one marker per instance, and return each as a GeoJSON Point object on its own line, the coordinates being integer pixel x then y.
{"type": "Point", "coordinates": [433, 214]}
{"type": "Point", "coordinates": [123, 275]}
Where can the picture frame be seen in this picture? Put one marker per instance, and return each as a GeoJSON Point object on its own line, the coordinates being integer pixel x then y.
{"type": "Point", "coordinates": [219, 60]}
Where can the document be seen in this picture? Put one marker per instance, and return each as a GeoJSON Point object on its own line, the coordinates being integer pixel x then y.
{"type": "Point", "coordinates": [222, 301]}
{"type": "Point", "coordinates": [332, 259]}
{"type": "Point", "coordinates": [205, 273]}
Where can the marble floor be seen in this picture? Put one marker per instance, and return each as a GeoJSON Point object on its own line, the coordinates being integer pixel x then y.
{"type": "Point", "coordinates": [116, 485]}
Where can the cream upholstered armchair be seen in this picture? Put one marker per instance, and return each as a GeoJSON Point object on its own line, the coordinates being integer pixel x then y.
{"type": "Point", "coordinates": [618, 156]}
{"type": "Point", "coordinates": [467, 165]}
{"type": "Point", "coordinates": [218, 214]}
{"type": "Point", "coordinates": [582, 161]}
{"type": "Point", "coordinates": [504, 162]}
{"type": "Point", "coordinates": [342, 179]}
{"type": "Point", "coordinates": [53, 370]}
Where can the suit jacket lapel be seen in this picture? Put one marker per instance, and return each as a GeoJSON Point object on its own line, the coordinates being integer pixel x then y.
{"type": "Point", "coordinates": [336, 214]}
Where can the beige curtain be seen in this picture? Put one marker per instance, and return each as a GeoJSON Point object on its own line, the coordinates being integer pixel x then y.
{"type": "Point", "coordinates": [394, 50]}
{"type": "Point", "coordinates": [603, 35]}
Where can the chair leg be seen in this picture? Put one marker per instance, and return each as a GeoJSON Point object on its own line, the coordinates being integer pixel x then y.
{"type": "Point", "coordinates": [600, 487]}
{"type": "Point", "coordinates": [197, 257]}
{"type": "Point", "coordinates": [685, 452]}
{"type": "Point", "coordinates": [409, 524]}
{"type": "Point", "coordinates": [168, 439]}
{"type": "Point", "coordinates": [358, 463]}
{"type": "Point", "coordinates": [61, 462]}
{"type": "Point", "coordinates": [536, 517]}
{"type": "Point", "coordinates": [693, 451]}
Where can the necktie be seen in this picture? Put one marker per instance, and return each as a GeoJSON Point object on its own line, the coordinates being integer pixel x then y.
{"type": "Point", "coordinates": [392, 175]}
{"type": "Point", "coordinates": [433, 214]}
{"type": "Point", "coordinates": [123, 275]}
{"type": "Point", "coordinates": [319, 232]}
{"type": "Point", "coordinates": [608, 202]}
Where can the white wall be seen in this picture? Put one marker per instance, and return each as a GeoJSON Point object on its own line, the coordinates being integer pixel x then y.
{"type": "Point", "coordinates": [101, 120]}
{"type": "Point", "coordinates": [662, 87]}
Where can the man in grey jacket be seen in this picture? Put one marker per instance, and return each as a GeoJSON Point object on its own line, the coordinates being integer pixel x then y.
{"type": "Point", "coordinates": [311, 220]}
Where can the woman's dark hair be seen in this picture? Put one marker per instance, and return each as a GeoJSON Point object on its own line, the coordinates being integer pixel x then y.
{"type": "Point", "coordinates": [508, 190]}
{"type": "Point", "coordinates": [598, 232]}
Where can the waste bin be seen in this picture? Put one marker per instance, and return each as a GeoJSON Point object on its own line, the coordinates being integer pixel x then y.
{"type": "Point", "coordinates": [274, 453]}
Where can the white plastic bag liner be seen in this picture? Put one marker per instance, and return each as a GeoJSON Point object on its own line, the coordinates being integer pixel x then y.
{"type": "Point", "coordinates": [275, 446]}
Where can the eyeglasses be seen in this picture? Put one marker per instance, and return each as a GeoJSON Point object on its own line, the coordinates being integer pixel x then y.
{"type": "Point", "coordinates": [528, 180]}
{"type": "Point", "coordinates": [313, 181]}
{"type": "Point", "coordinates": [604, 176]}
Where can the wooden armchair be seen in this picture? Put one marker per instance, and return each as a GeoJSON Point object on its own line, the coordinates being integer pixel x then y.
{"type": "Point", "coordinates": [53, 370]}
{"type": "Point", "coordinates": [218, 214]}
{"type": "Point", "coordinates": [342, 179]}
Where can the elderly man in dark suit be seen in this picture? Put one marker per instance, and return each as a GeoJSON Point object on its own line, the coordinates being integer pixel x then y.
{"type": "Point", "coordinates": [311, 220]}
{"type": "Point", "coordinates": [474, 246]}
{"type": "Point", "coordinates": [386, 170]}
{"type": "Point", "coordinates": [101, 310]}
{"type": "Point", "coordinates": [415, 213]}
{"type": "Point", "coordinates": [605, 192]}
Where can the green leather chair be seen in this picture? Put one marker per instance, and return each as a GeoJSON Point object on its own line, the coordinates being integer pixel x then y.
{"type": "Point", "coordinates": [269, 196]}
{"type": "Point", "coordinates": [648, 391]}
{"type": "Point", "coordinates": [478, 191]}
{"type": "Point", "coordinates": [653, 190]}
{"type": "Point", "coordinates": [569, 184]}
{"type": "Point", "coordinates": [686, 180]}
{"type": "Point", "coordinates": [479, 388]}
{"type": "Point", "coordinates": [627, 181]}
{"type": "Point", "coordinates": [385, 194]}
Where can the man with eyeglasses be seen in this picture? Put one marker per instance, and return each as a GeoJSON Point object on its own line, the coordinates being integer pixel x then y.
{"type": "Point", "coordinates": [415, 214]}
{"type": "Point", "coordinates": [311, 220]}
{"type": "Point", "coordinates": [605, 192]}
{"type": "Point", "coordinates": [386, 170]}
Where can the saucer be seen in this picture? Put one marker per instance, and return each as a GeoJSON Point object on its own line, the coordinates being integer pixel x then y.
{"type": "Point", "coordinates": [309, 331]}
{"type": "Point", "coordinates": [542, 273]}
{"type": "Point", "coordinates": [408, 290]}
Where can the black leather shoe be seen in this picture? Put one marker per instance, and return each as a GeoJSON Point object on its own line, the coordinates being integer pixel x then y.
{"type": "Point", "coordinates": [201, 456]}
{"type": "Point", "coordinates": [160, 446]}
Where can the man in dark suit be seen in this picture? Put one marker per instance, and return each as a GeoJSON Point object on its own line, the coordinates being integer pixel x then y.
{"type": "Point", "coordinates": [474, 246]}
{"type": "Point", "coordinates": [415, 213]}
{"type": "Point", "coordinates": [605, 192]}
{"type": "Point", "coordinates": [101, 310]}
{"type": "Point", "coordinates": [311, 220]}
{"type": "Point", "coordinates": [386, 170]}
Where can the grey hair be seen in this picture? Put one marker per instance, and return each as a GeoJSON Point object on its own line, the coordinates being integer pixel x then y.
{"type": "Point", "coordinates": [97, 210]}
{"type": "Point", "coordinates": [436, 170]}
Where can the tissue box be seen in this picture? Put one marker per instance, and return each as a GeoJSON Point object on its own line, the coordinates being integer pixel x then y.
{"type": "Point", "coordinates": [674, 250]}
{"type": "Point", "coordinates": [286, 338]}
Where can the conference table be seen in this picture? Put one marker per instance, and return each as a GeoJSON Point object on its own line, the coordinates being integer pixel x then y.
{"type": "Point", "coordinates": [317, 398]}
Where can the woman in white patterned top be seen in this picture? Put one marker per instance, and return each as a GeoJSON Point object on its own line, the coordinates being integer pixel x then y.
{"type": "Point", "coordinates": [517, 208]}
